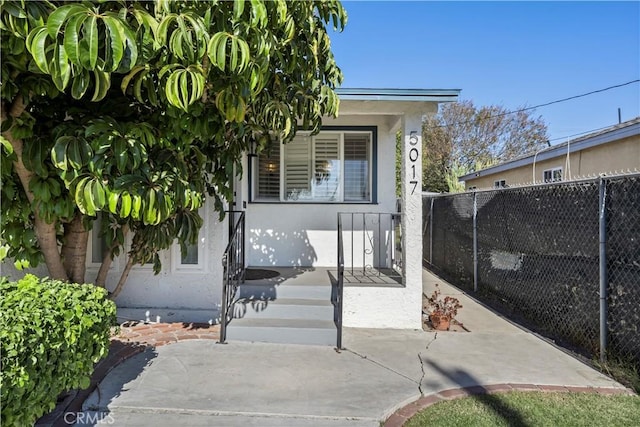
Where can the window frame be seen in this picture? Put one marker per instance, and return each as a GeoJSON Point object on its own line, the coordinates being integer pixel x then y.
{"type": "Point", "coordinates": [95, 266]}
{"type": "Point", "coordinates": [500, 183]}
{"type": "Point", "coordinates": [372, 159]}
{"type": "Point", "coordinates": [176, 254]}
{"type": "Point", "coordinates": [551, 171]}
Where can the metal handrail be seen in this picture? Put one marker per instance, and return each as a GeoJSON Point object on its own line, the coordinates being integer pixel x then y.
{"type": "Point", "coordinates": [340, 285]}
{"type": "Point", "coordinates": [234, 271]}
{"type": "Point", "coordinates": [375, 247]}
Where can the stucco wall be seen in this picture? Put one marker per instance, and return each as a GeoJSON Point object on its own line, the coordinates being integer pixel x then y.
{"type": "Point", "coordinates": [175, 288]}
{"type": "Point", "coordinates": [607, 158]}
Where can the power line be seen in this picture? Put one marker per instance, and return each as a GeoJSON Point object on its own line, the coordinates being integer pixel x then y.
{"type": "Point", "coordinates": [557, 101]}
{"type": "Point", "coordinates": [579, 133]}
{"type": "Point", "coordinates": [581, 95]}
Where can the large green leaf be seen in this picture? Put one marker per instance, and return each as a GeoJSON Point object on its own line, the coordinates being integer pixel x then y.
{"type": "Point", "coordinates": [59, 15]}
{"type": "Point", "coordinates": [60, 68]}
{"type": "Point", "coordinates": [81, 83]}
{"type": "Point", "coordinates": [89, 43]}
{"type": "Point", "coordinates": [116, 40]}
{"type": "Point", "coordinates": [102, 83]}
{"type": "Point", "coordinates": [59, 152]}
{"type": "Point", "coordinates": [36, 44]}
{"type": "Point", "coordinates": [72, 36]}
{"type": "Point", "coordinates": [224, 44]}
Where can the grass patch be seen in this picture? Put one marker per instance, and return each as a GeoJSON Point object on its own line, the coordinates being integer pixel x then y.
{"type": "Point", "coordinates": [532, 409]}
{"type": "Point", "coordinates": [624, 372]}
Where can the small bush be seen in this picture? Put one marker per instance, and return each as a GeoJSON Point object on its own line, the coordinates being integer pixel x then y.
{"type": "Point", "coordinates": [51, 334]}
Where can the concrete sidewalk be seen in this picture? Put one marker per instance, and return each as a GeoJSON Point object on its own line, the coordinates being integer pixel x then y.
{"type": "Point", "coordinates": [201, 383]}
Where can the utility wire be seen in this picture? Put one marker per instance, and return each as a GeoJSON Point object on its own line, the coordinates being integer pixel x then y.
{"type": "Point", "coordinates": [544, 105]}
{"type": "Point", "coordinates": [579, 133]}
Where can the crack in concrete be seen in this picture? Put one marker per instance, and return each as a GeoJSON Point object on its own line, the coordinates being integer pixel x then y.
{"type": "Point", "coordinates": [422, 364]}
{"type": "Point", "coordinates": [375, 362]}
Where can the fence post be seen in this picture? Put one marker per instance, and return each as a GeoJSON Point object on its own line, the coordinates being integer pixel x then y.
{"type": "Point", "coordinates": [475, 242]}
{"type": "Point", "coordinates": [603, 268]}
{"type": "Point", "coordinates": [431, 233]}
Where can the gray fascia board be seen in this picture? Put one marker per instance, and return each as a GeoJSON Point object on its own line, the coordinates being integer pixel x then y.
{"type": "Point", "coordinates": [558, 150]}
{"type": "Point", "coordinates": [420, 95]}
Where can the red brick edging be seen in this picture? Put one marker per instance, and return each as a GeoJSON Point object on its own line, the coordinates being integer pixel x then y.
{"type": "Point", "coordinates": [398, 418]}
{"type": "Point", "coordinates": [157, 334]}
{"type": "Point", "coordinates": [132, 338]}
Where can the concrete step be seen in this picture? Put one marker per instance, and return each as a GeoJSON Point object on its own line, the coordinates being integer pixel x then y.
{"type": "Point", "coordinates": [284, 308]}
{"type": "Point", "coordinates": [283, 331]}
{"type": "Point", "coordinates": [271, 292]}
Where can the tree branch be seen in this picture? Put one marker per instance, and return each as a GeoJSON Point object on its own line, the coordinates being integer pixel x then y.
{"type": "Point", "coordinates": [123, 280]}
{"type": "Point", "coordinates": [101, 279]}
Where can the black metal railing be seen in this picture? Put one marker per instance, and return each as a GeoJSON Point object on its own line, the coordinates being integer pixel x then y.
{"type": "Point", "coordinates": [234, 270]}
{"type": "Point", "coordinates": [340, 286]}
{"type": "Point", "coordinates": [374, 242]}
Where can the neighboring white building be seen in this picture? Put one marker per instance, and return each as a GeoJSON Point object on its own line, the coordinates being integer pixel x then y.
{"type": "Point", "coordinates": [291, 197]}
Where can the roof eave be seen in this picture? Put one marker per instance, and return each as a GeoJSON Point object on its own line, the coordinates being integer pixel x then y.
{"type": "Point", "coordinates": [417, 95]}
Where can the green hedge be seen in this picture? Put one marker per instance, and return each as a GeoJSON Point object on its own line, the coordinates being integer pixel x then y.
{"type": "Point", "coordinates": [51, 335]}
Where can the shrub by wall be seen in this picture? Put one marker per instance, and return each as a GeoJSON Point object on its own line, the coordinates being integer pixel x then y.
{"type": "Point", "coordinates": [51, 335]}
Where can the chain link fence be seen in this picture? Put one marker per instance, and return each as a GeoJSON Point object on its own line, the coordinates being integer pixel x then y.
{"type": "Point", "coordinates": [540, 255]}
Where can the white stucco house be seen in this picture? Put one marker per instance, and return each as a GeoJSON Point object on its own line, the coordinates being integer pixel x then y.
{"type": "Point", "coordinates": [291, 196]}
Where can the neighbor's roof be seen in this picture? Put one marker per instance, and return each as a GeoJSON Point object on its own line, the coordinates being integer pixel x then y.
{"type": "Point", "coordinates": [363, 94]}
{"type": "Point", "coordinates": [604, 136]}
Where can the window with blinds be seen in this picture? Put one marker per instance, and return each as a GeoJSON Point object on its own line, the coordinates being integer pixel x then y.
{"type": "Point", "coordinates": [297, 169]}
{"type": "Point", "coordinates": [333, 166]}
{"type": "Point", "coordinates": [268, 183]}
{"type": "Point", "coordinates": [356, 166]}
{"type": "Point", "coordinates": [326, 153]}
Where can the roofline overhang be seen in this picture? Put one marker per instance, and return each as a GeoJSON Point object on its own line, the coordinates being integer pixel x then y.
{"type": "Point", "coordinates": [575, 145]}
{"type": "Point", "coordinates": [417, 95]}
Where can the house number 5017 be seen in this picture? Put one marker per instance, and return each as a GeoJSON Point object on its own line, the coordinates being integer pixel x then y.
{"type": "Point", "coordinates": [414, 154]}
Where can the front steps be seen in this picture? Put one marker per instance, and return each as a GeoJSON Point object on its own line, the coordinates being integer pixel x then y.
{"type": "Point", "coordinates": [285, 311]}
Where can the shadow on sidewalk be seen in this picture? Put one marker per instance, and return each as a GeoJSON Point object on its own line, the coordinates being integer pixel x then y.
{"type": "Point", "coordinates": [472, 387]}
{"type": "Point", "coordinates": [69, 410]}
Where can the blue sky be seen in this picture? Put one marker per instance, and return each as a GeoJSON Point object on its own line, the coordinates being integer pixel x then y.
{"type": "Point", "coordinates": [501, 53]}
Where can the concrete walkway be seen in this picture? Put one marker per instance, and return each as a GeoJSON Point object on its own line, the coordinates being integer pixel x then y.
{"type": "Point", "coordinates": [201, 383]}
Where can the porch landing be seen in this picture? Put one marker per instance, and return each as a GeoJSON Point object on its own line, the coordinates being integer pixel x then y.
{"type": "Point", "coordinates": [296, 306]}
{"type": "Point", "coordinates": [328, 275]}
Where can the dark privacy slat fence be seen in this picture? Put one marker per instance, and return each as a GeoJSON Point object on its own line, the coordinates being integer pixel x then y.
{"type": "Point", "coordinates": [542, 257]}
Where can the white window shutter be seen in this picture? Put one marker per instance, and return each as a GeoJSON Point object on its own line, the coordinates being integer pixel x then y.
{"type": "Point", "coordinates": [326, 182]}
{"type": "Point", "coordinates": [297, 168]}
{"type": "Point", "coordinates": [356, 167]}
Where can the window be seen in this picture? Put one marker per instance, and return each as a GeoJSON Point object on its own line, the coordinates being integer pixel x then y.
{"type": "Point", "coordinates": [97, 247]}
{"type": "Point", "coordinates": [193, 260]}
{"type": "Point", "coordinates": [191, 257]}
{"type": "Point", "coordinates": [333, 166]}
{"type": "Point", "coordinates": [500, 184]}
{"type": "Point", "coordinates": [552, 175]}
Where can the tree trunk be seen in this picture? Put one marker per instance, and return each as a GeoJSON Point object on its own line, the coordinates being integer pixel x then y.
{"type": "Point", "coordinates": [45, 233]}
{"type": "Point", "coordinates": [101, 279]}
{"type": "Point", "coordinates": [74, 249]}
{"type": "Point", "coordinates": [123, 279]}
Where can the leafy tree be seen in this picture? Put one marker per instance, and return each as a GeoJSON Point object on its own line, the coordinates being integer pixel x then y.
{"type": "Point", "coordinates": [136, 111]}
{"type": "Point", "coordinates": [462, 137]}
